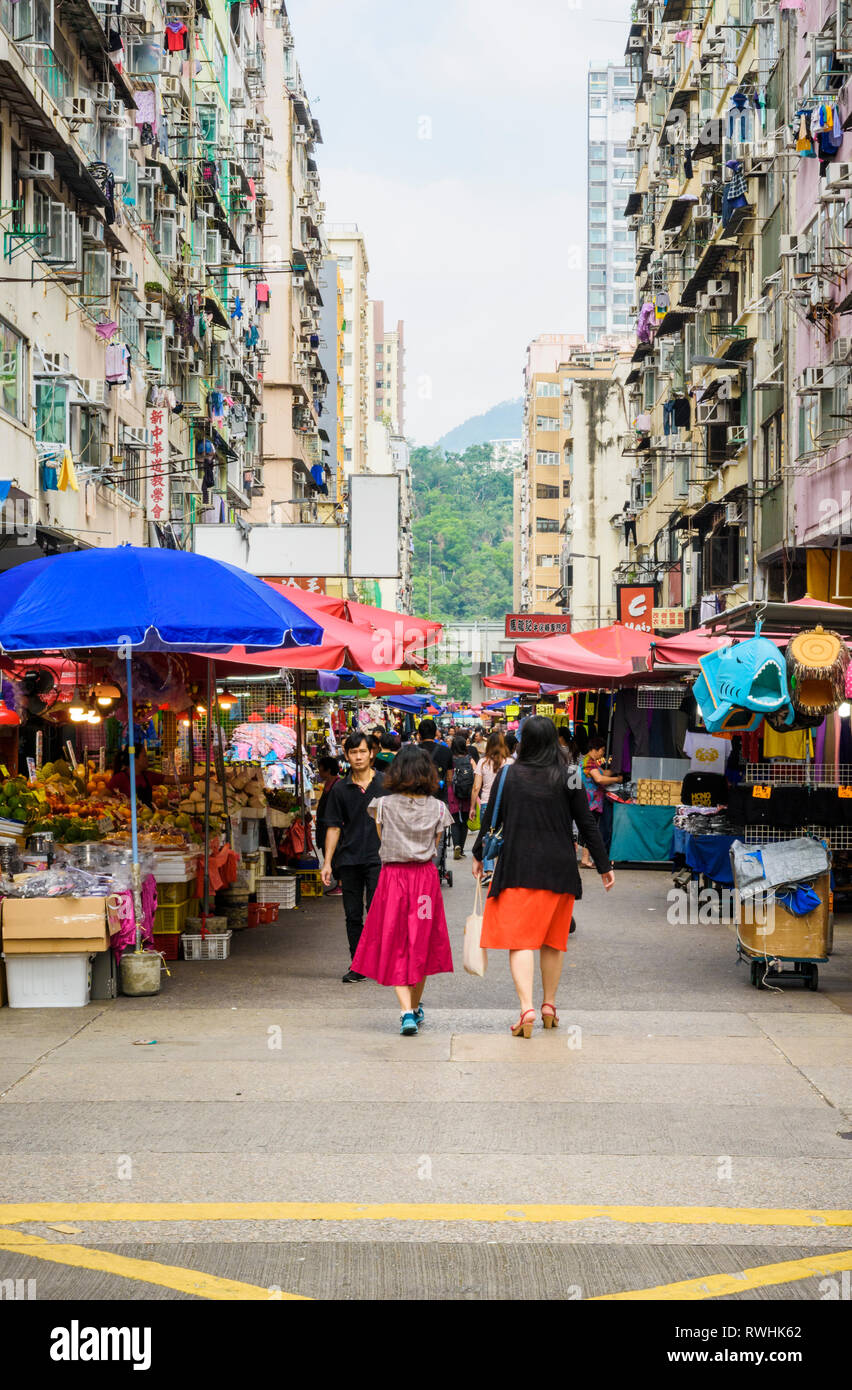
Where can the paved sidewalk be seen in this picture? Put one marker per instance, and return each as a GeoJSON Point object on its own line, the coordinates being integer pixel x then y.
{"type": "Point", "coordinates": [674, 1095]}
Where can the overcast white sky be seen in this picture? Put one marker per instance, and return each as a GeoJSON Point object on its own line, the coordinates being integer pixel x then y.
{"type": "Point", "coordinates": [476, 234]}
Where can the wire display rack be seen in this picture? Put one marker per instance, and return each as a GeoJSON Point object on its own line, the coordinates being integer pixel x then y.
{"type": "Point", "coordinates": [659, 696]}
{"type": "Point", "coordinates": [837, 837]}
{"type": "Point", "coordinates": [802, 774]}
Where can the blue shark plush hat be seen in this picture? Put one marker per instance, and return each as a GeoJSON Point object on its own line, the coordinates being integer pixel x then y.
{"type": "Point", "coordinates": [738, 686]}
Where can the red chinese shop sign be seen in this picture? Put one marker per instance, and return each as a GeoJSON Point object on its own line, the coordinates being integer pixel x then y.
{"type": "Point", "coordinates": [157, 492]}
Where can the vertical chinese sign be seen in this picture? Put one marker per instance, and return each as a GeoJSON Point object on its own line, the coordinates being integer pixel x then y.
{"type": "Point", "coordinates": [157, 492]}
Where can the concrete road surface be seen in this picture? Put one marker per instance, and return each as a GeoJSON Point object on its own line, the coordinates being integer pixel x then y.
{"type": "Point", "coordinates": [260, 1130]}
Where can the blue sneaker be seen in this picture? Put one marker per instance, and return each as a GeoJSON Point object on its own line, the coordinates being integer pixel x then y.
{"type": "Point", "coordinates": [408, 1025]}
{"type": "Point", "coordinates": [419, 1015]}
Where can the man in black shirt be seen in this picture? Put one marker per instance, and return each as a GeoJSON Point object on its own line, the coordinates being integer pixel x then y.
{"type": "Point", "coordinates": [438, 752]}
{"type": "Point", "coordinates": [352, 841]}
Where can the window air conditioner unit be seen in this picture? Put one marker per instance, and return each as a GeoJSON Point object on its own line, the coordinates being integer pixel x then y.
{"type": "Point", "coordinates": [841, 350]}
{"type": "Point", "coordinates": [705, 412]}
{"type": "Point", "coordinates": [155, 315]}
{"type": "Point", "coordinates": [92, 391]}
{"type": "Point", "coordinates": [813, 379]}
{"type": "Point", "coordinates": [80, 110]}
{"type": "Point", "coordinates": [36, 164]}
{"type": "Point", "coordinates": [695, 495]}
{"type": "Point", "coordinates": [732, 514]}
{"type": "Point", "coordinates": [737, 435]}
{"type": "Point", "coordinates": [104, 93]}
{"type": "Point", "coordinates": [794, 245]}
{"type": "Point", "coordinates": [237, 97]}
{"type": "Point", "coordinates": [91, 229]}
{"type": "Point", "coordinates": [123, 269]}
{"type": "Point", "coordinates": [713, 301]}
{"type": "Point", "coordinates": [113, 114]}
{"type": "Point", "coordinates": [134, 9]}
{"type": "Point", "coordinates": [718, 287]}
{"type": "Point", "coordinates": [152, 174]}
{"type": "Point", "coordinates": [168, 202]}
{"type": "Point", "coordinates": [298, 282]}
{"type": "Point", "coordinates": [635, 43]}
{"type": "Point", "coordinates": [643, 135]}
{"type": "Point", "coordinates": [839, 175]}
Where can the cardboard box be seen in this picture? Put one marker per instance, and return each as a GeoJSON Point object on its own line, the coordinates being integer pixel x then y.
{"type": "Point", "coordinates": [54, 926]}
{"type": "Point", "coordinates": [786, 936]}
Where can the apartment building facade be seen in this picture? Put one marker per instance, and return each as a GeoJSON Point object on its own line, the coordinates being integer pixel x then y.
{"type": "Point", "coordinates": [347, 245]}
{"type": "Point", "coordinates": [388, 377]}
{"type": "Point", "coordinates": [569, 526]}
{"type": "Point", "coordinates": [610, 101]}
{"type": "Point", "coordinates": [742, 207]}
{"type": "Point", "coordinates": [131, 307]}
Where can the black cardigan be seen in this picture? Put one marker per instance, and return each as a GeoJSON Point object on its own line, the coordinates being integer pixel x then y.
{"type": "Point", "coordinates": [538, 844]}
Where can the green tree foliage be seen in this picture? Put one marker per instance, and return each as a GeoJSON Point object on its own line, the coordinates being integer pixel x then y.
{"type": "Point", "coordinates": [455, 676]}
{"type": "Point", "coordinates": [463, 505]}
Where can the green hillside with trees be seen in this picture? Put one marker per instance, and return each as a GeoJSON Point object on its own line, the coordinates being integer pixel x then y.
{"type": "Point", "coordinates": [464, 507]}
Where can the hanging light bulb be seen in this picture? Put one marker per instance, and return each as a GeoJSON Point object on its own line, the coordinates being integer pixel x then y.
{"type": "Point", "coordinates": [200, 709]}
{"type": "Point", "coordinates": [845, 710]}
{"type": "Point", "coordinates": [227, 700]}
{"type": "Point", "coordinates": [77, 709]}
{"type": "Point", "coordinates": [93, 717]}
{"type": "Point", "coordinates": [106, 694]}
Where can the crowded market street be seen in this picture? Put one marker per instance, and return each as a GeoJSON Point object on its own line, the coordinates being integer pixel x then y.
{"type": "Point", "coordinates": [260, 1131]}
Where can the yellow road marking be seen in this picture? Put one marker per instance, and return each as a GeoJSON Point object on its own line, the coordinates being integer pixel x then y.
{"type": "Point", "coordinates": [190, 1281]}
{"type": "Point", "coordinates": [717, 1285]}
{"type": "Point", "coordinates": [12, 1213]}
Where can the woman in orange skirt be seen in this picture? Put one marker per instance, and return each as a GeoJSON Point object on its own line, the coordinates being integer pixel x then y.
{"type": "Point", "coordinates": [536, 880]}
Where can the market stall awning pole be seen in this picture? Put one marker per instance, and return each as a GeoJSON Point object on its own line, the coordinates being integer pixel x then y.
{"type": "Point", "coordinates": [208, 753]}
{"type": "Point", "coordinates": [134, 828]}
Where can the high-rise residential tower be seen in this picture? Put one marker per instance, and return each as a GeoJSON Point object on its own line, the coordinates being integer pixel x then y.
{"type": "Point", "coordinates": [389, 375]}
{"type": "Point", "coordinates": [346, 244]}
{"type": "Point", "coordinates": [611, 98]}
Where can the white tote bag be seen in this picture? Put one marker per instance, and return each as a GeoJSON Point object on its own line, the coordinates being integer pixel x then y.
{"type": "Point", "coordinates": [475, 958]}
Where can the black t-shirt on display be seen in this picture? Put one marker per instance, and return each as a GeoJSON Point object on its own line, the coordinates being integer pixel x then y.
{"type": "Point", "coordinates": [704, 789]}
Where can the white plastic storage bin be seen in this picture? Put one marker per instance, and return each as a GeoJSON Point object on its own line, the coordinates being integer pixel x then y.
{"type": "Point", "coordinates": [280, 890]}
{"type": "Point", "coordinates": [48, 982]}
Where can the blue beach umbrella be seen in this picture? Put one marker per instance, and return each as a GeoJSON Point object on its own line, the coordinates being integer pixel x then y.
{"type": "Point", "coordinates": [138, 599]}
{"type": "Point", "coordinates": [155, 600]}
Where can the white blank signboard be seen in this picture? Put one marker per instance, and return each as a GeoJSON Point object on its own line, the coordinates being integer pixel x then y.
{"type": "Point", "coordinates": [374, 522]}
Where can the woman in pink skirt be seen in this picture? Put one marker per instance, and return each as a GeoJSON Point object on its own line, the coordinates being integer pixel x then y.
{"type": "Point", "coordinates": [405, 936]}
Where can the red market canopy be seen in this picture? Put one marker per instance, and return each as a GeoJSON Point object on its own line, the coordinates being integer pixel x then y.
{"type": "Point", "coordinates": [616, 642]}
{"type": "Point", "coordinates": [514, 684]}
{"type": "Point", "coordinates": [385, 618]}
{"type": "Point", "coordinates": [605, 656]}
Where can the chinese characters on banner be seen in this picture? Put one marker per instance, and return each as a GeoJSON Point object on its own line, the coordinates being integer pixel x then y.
{"type": "Point", "coordinates": [537, 624]}
{"type": "Point", "coordinates": [157, 492]}
{"type": "Point", "coordinates": [668, 620]}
